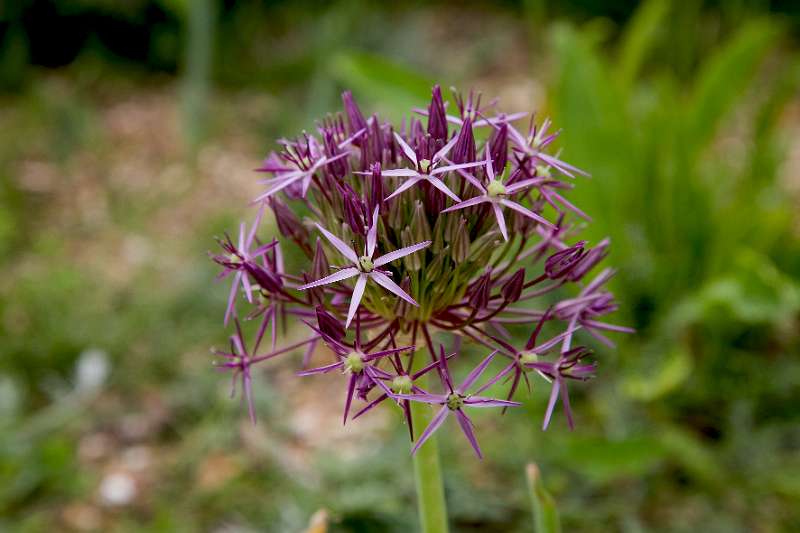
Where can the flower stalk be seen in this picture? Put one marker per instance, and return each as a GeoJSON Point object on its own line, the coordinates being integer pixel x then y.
{"type": "Point", "coordinates": [431, 504]}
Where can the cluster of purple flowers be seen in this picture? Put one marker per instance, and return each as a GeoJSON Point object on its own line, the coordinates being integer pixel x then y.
{"type": "Point", "coordinates": [452, 223]}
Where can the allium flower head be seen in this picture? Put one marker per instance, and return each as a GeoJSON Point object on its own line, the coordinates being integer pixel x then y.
{"type": "Point", "coordinates": [416, 235]}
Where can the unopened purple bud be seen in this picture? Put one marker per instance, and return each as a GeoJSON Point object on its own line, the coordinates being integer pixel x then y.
{"type": "Point", "coordinates": [464, 149]}
{"type": "Point", "coordinates": [376, 194]}
{"type": "Point", "coordinates": [329, 325]}
{"type": "Point", "coordinates": [512, 289]}
{"type": "Point", "coordinates": [377, 143]}
{"type": "Point", "coordinates": [337, 168]}
{"type": "Point", "coordinates": [562, 262]}
{"type": "Point", "coordinates": [268, 281]}
{"type": "Point", "coordinates": [498, 148]}
{"type": "Point", "coordinates": [416, 130]}
{"type": "Point", "coordinates": [437, 119]}
{"type": "Point", "coordinates": [354, 212]}
{"type": "Point", "coordinates": [288, 223]}
{"type": "Point", "coordinates": [481, 291]}
{"type": "Point", "coordinates": [354, 117]}
{"type": "Point", "coordinates": [589, 260]}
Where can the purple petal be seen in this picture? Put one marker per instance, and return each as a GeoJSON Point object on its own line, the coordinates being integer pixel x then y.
{"type": "Point", "coordinates": [395, 173]}
{"type": "Point", "coordinates": [501, 221]}
{"type": "Point", "coordinates": [565, 168]}
{"type": "Point", "coordinates": [435, 399]}
{"type": "Point", "coordinates": [551, 404]}
{"type": "Point", "coordinates": [565, 403]}
{"type": "Point", "coordinates": [384, 353]}
{"type": "Point", "coordinates": [503, 118]}
{"type": "Point", "coordinates": [497, 378]}
{"type": "Point", "coordinates": [358, 293]}
{"type": "Point", "coordinates": [343, 274]}
{"type": "Point", "coordinates": [229, 311]}
{"type": "Point", "coordinates": [384, 281]}
{"type": "Point", "coordinates": [321, 370]}
{"type": "Point", "coordinates": [285, 181]}
{"type": "Point", "coordinates": [528, 213]}
{"type": "Point", "coordinates": [466, 427]}
{"type": "Point", "coordinates": [339, 244]}
{"type": "Point", "coordinates": [571, 206]}
{"type": "Point", "coordinates": [481, 401]}
{"type": "Point", "coordinates": [372, 234]}
{"type": "Point", "coordinates": [439, 184]}
{"type": "Point", "coordinates": [517, 137]}
{"type": "Point", "coordinates": [437, 421]}
{"type": "Point", "coordinates": [254, 227]}
{"type": "Point", "coordinates": [351, 386]}
{"type": "Point", "coordinates": [404, 186]}
{"type": "Point", "coordinates": [402, 252]}
{"type": "Point", "coordinates": [444, 149]}
{"type": "Point", "coordinates": [406, 148]}
{"type": "Point", "coordinates": [448, 168]}
{"type": "Point", "coordinates": [370, 405]}
{"type": "Point", "coordinates": [518, 186]}
{"type": "Point", "coordinates": [466, 203]}
{"type": "Point", "coordinates": [488, 162]}
{"type": "Point", "coordinates": [475, 374]}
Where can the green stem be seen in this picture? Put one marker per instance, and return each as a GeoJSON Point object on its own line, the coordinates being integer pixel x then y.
{"type": "Point", "coordinates": [427, 467]}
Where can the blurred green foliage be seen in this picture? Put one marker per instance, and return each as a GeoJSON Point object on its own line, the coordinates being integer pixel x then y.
{"type": "Point", "coordinates": [691, 425]}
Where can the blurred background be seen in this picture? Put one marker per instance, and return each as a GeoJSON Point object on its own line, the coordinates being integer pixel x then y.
{"type": "Point", "coordinates": [128, 135]}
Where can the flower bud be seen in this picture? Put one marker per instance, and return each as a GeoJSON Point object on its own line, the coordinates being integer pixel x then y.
{"type": "Point", "coordinates": [337, 168]}
{"type": "Point", "coordinates": [420, 228]}
{"type": "Point", "coordinates": [512, 289]}
{"type": "Point", "coordinates": [376, 193]}
{"type": "Point", "coordinates": [413, 262]}
{"type": "Point", "coordinates": [562, 262]}
{"type": "Point", "coordinates": [329, 325]}
{"type": "Point", "coordinates": [459, 250]}
{"type": "Point", "coordinates": [480, 291]}
{"type": "Point", "coordinates": [288, 223]}
{"type": "Point", "coordinates": [396, 215]}
{"type": "Point", "coordinates": [589, 260]}
{"type": "Point", "coordinates": [268, 281]}
{"type": "Point", "coordinates": [354, 212]}
{"type": "Point", "coordinates": [437, 267]}
{"type": "Point", "coordinates": [498, 148]}
{"type": "Point", "coordinates": [437, 119]}
{"type": "Point", "coordinates": [354, 117]}
{"type": "Point", "coordinates": [439, 234]}
{"type": "Point", "coordinates": [482, 248]}
{"type": "Point", "coordinates": [464, 149]}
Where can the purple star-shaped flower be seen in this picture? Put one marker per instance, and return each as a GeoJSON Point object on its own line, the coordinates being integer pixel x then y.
{"type": "Point", "coordinates": [454, 401]}
{"type": "Point", "coordinates": [239, 360]}
{"type": "Point", "coordinates": [496, 194]}
{"type": "Point", "coordinates": [355, 362]}
{"type": "Point", "coordinates": [401, 382]}
{"type": "Point", "coordinates": [365, 267]}
{"type": "Point", "coordinates": [537, 139]}
{"type": "Point", "coordinates": [305, 161]}
{"type": "Point", "coordinates": [567, 366]}
{"type": "Point", "coordinates": [425, 170]}
{"type": "Point", "coordinates": [591, 302]}
{"type": "Point", "coordinates": [238, 258]}
{"type": "Point", "coordinates": [520, 358]}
